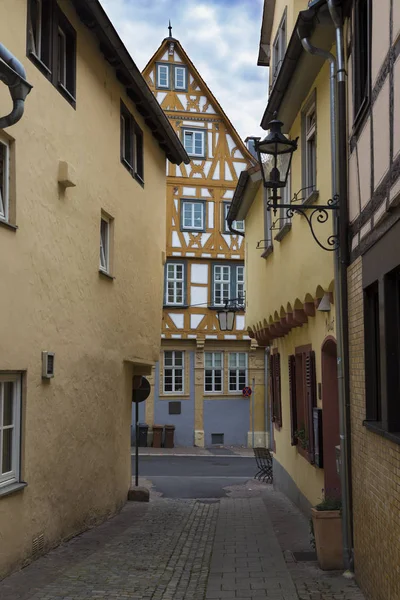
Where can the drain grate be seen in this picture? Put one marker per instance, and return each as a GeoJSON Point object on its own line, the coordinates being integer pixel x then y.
{"type": "Point", "coordinates": [38, 544]}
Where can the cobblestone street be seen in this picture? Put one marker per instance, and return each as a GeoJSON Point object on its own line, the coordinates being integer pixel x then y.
{"type": "Point", "coordinates": [240, 547]}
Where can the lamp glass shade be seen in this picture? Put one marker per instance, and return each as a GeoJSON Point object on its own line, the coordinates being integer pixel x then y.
{"type": "Point", "coordinates": [275, 153]}
{"type": "Point", "coordinates": [226, 319]}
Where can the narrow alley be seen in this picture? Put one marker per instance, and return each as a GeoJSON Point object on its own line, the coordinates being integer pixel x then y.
{"type": "Point", "coordinates": [251, 544]}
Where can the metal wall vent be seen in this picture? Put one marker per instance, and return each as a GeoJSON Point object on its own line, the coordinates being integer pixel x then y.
{"type": "Point", "coordinates": [47, 365]}
{"type": "Point", "coordinates": [217, 439]}
{"type": "Point", "coordinates": [38, 544]}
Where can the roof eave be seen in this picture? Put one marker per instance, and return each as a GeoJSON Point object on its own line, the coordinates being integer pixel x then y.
{"type": "Point", "coordinates": [299, 69]}
{"type": "Point", "coordinates": [245, 193]}
{"type": "Point", "coordinates": [264, 53]}
{"type": "Point", "coordinates": [95, 18]}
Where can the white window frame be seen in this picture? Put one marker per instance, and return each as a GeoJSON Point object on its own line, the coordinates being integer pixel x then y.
{"type": "Point", "coordinates": [175, 280]}
{"type": "Point", "coordinates": [12, 476]}
{"type": "Point", "coordinates": [279, 48]}
{"type": "Point", "coordinates": [5, 184]}
{"type": "Point", "coordinates": [213, 368]}
{"type": "Point", "coordinates": [221, 284]}
{"type": "Point", "coordinates": [240, 283]}
{"type": "Point", "coordinates": [62, 47]}
{"type": "Point", "coordinates": [310, 151]}
{"type": "Point", "coordinates": [176, 87]}
{"type": "Point", "coordinates": [236, 370]}
{"type": "Point", "coordinates": [37, 43]}
{"type": "Point", "coordinates": [192, 203]}
{"type": "Point", "coordinates": [286, 199]}
{"type": "Point", "coordinates": [166, 67]}
{"type": "Point", "coordinates": [193, 132]}
{"type": "Point", "coordinates": [238, 225]}
{"type": "Point", "coordinates": [174, 368]}
{"type": "Point", "coordinates": [105, 251]}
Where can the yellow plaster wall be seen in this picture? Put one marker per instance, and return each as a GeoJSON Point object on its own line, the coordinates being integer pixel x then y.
{"type": "Point", "coordinates": [76, 427]}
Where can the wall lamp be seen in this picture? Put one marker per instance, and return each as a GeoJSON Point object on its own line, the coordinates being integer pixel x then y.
{"type": "Point", "coordinates": [226, 315]}
{"type": "Point", "coordinates": [275, 154]}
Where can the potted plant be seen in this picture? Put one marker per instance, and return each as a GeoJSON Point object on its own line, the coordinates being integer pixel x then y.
{"type": "Point", "coordinates": [327, 529]}
{"type": "Point", "coordinates": [302, 438]}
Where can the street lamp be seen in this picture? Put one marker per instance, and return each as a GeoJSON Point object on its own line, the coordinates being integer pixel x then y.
{"type": "Point", "coordinates": [275, 153]}
{"type": "Point", "coordinates": [226, 318]}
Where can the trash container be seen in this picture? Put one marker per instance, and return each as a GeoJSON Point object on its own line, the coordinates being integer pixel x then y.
{"type": "Point", "coordinates": [169, 436]}
{"type": "Point", "coordinates": [157, 435]}
{"type": "Point", "coordinates": [143, 429]}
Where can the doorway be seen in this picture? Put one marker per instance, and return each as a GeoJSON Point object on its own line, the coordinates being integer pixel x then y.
{"type": "Point", "coordinates": [330, 417]}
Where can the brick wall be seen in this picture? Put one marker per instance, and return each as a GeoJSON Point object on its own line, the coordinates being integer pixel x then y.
{"type": "Point", "coordinates": [376, 473]}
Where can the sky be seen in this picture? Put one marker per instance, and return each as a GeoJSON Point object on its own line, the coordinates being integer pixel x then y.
{"type": "Point", "coordinates": [221, 37]}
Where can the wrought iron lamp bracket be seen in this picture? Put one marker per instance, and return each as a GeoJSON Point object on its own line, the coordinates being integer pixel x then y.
{"type": "Point", "coordinates": [313, 215]}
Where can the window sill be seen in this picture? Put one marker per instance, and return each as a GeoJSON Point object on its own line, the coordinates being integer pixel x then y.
{"type": "Point", "coordinates": [283, 231]}
{"type": "Point", "coordinates": [360, 119]}
{"type": "Point", "coordinates": [106, 275]}
{"type": "Point", "coordinates": [174, 395]}
{"type": "Point", "coordinates": [193, 229]}
{"type": "Point", "coordinates": [375, 427]}
{"type": "Point", "coordinates": [311, 198]}
{"type": "Point", "coordinates": [176, 306]}
{"type": "Point", "coordinates": [197, 156]}
{"type": "Point", "coordinates": [39, 64]}
{"type": "Point", "coordinates": [131, 170]}
{"type": "Point", "coordinates": [8, 225]}
{"type": "Point", "coordinates": [67, 95]}
{"type": "Point", "coordinates": [222, 307]}
{"type": "Point", "coordinates": [267, 252]}
{"type": "Point", "coordinates": [13, 488]}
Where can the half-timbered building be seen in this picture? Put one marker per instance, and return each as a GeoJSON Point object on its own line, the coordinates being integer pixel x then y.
{"type": "Point", "coordinates": [199, 379]}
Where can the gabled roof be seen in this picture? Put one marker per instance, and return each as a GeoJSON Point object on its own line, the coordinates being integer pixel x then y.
{"type": "Point", "coordinates": [95, 18]}
{"type": "Point", "coordinates": [185, 58]}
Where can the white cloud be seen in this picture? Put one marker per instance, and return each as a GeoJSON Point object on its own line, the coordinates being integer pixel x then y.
{"type": "Point", "coordinates": [221, 38]}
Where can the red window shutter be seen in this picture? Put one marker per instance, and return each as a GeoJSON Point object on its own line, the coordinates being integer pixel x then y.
{"type": "Point", "coordinates": [311, 401]}
{"type": "Point", "coordinates": [278, 388]}
{"type": "Point", "coordinates": [292, 394]}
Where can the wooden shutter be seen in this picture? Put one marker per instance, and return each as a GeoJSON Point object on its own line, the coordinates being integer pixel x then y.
{"type": "Point", "coordinates": [272, 385]}
{"type": "Point", "coordinates": [293, 401]}
{"type": "Point", "coordinates": [311, 400]}
{"type": "Point", "coordinates": [278, 388]}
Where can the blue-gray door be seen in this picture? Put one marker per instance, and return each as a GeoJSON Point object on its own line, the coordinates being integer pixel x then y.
{"type": "Point", "coordinates": [228, 418]}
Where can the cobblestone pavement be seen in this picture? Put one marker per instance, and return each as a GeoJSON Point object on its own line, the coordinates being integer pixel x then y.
{"type": "Point", "coordinates": [240, 547]}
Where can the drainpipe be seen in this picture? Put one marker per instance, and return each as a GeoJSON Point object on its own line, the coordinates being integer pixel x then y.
{"type": "Point", "coordinates": [12, 73]}
{"type": "Point", "coordinates": [339, 183]}
{"type": "Point", "coordinates": [266, 396]}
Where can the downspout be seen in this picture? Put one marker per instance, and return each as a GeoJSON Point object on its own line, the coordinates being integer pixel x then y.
{"type": "Point", "coordinates": [266, 398]}
{"type": "Point", "coordinates": [340, 272]}
{"type": "Point", "coordinates": [13, 74]}
{"type": "Point", "coordinates": [335, 9]}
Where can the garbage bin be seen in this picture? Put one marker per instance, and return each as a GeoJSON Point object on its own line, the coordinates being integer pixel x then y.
{"type": "Point", "coordinates": [169, 436]}
{"type": "Point", "coordinates": [157, 435]}
{"type": "Point", "coordinates": [143, 429]}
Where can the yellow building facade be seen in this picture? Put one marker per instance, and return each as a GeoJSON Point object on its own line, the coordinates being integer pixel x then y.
{"type": "Point", "coordinates": [289, 276]}
{"type": "Point", "coordinates": [202, 370]}
{"type": "Point", "coordinates": [82, 251]}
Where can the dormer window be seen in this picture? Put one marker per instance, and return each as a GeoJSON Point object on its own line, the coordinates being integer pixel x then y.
{"type": "Point", "coordinates": [163, 76]}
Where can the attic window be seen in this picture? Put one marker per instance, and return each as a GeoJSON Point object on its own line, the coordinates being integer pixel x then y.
{"type": "Point", "coordinates": [180, 78]}
{"type": "Point", "coordinates": [163, 76]}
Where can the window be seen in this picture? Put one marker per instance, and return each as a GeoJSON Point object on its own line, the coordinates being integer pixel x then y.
{"type": "Point", "coordinates": [173, 371]}
{"type": "Point", "coordinates": [284, 222]}
{"type": "Point", "coordinates": [238, 225]}
{"type": "Point", "coordinates": [372, 353]}
{"type": "Point", "coordinates": [275, 379]}
{"type": "Point", "coordinates": [362, 56]}
{"type": "Point", "coordinates": [279, 48]}
{"type": "Point", "coordinates": [303, 399]}
{"type": "Point", "coordinates": [105, 244]}
{"type": "Point", "coordinates": [391, 284]}
{"type": "Point", "coordinates": [180, 78]}
{"type": "Point", "coordinates": [4, 179]}
{"type": "Point", "coordinates": [193, 215]}
{"type": "Point", "coordinates": [52, 45]}
{"type": "Point", "coordinates": [266, 244]}
{"type": "Point", "coordinates": [131, 145]}
{"type": "Point", "coordinates": [309, 148]}
{"type": "Point", "coordinates": [10, 428]}
{"type": "Point", "coordinates": [227, 284]}
{"type": "Point", "coordinates": [237, 371]}
{"type": "Point", "coordinates": [213, 371]}
{"type": "Point", "coordinates": [194, 142]}
{"type": "Point", "coordinates": [175, 284]}
{"type": "Point", "coordinates": [163, 76]}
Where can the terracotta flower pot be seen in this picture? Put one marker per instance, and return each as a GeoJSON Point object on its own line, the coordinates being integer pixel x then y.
{"type": "Point", "coordinates": [328, 538]}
